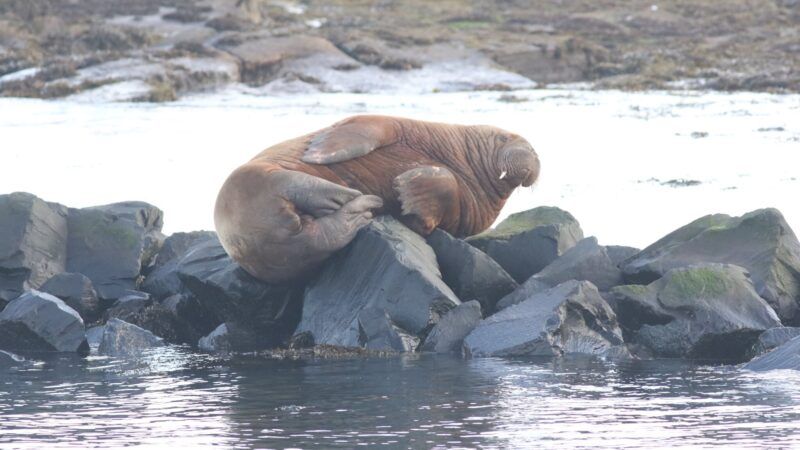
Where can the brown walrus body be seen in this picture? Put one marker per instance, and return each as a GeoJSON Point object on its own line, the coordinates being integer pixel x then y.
{"type": "Point", "coordinates": [285, 211]}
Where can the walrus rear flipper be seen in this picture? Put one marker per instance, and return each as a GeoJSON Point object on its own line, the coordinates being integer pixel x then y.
{"type": "Point", "coordinates": [350, 139]}
{"type": "Point", "coordinates": [427, 195]}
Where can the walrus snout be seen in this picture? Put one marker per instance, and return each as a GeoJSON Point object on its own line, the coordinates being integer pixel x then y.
{"type": "Point", "coordinates": [519, 164]}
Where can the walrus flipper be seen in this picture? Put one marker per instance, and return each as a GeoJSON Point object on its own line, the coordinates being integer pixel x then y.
{"type": "Point", "coordinates": [427, 195]}
{"type": "Point", "coordinates": [313, 195]}
{"type": "Point", "coordinates": [349, 139]}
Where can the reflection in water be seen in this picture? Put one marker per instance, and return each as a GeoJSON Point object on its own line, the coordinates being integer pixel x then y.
{"type": "Point", "coordinates": [171, 397]}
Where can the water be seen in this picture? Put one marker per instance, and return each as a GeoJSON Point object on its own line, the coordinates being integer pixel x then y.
{"type": "Point", "coordinates": [605, 154]}
{"type": "Point", "coordinates": [171, 398]}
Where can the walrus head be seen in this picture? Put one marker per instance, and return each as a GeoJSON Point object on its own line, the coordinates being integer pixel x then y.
{"type": "Point", "coordinates": [517, 162]}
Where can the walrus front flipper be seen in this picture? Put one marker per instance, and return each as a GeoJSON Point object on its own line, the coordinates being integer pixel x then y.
{"type": "Point", "coordinates": [350, 139]}
{"type": "Point", "coordinates": [427, 195]}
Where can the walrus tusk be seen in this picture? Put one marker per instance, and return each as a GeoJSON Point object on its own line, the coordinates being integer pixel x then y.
{"type": "Point", "coordinates": [503, 174]}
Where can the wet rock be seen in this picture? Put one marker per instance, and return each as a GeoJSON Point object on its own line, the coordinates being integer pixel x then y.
{"type": "Point", "coordinates": [619, 253]}
{"type": "Point", "coordinates": [527, 290]}
{"type": "Point", "coordinates": [387, 267]}
{"type": "Point", "coordinates": [760, 241]}
{"type": "Point", "coordinates": [39, 322]}
{"type": "Point", "coordinates": [571, 318]}
{"type": "Point", "coordinates": [377, 332]}
{"type": "Point", "coordinates": [33, 243]}
{"type": "Point", "coordinates": [234, 337]}
{"type": "Point", "coordinates": [585, 261]}
{"type": "Point", "coordinates": [232, 295]}
{"type": "Point", "coordinates": [526, 242]}
{"type": "Point", "coordinates": [448, 334]}
{"type": "Point", "coordinates": [77, 292]}
{"type": "Point", "coordinates": [122, 339]}
{"type": "Point", "coordinates": [469, 272]}
{"type": "Point", "coordinates": [163, 281]}
{"type": "Point", "coordinates": [773, 338]}
{"type": "Point", "coordinates": [143, 311]}
{"type": "Point", "coordinates": [112, 244]}
{"type": "Point", "coordinates": [193, 319]}
{"type": "Point", "coordinates": [786, 356]}
{"type": "Point", "coordinates": [94, 335]}
{"type": "Point", "coordinates": [703, 311]}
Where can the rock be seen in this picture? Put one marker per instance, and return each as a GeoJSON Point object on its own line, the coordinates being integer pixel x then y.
{"type": "Point", "coordinates": [527, 290]}
{"type": "Point", "coordinates": [234, 337]}
{"type": "Point", "coordinates": [112, 244]}
{"type": "Point", "coordinates": [387, 267]}
{"type": "Point", "coordinates": [787, 356]}
{"type": "Point", "coordinates": [163, 280]}
{"type": "Point", "coordinates": [193, 319]}
{"type": "Point", "coordinates": [33, 243]}
{"type": "Point", "coordinates": [377, 332]}
{"type": "Point", "coordinates": [703, 311]}
{"type": "Point", "coordinates": [77, 292]}
{"type": "Point", "coordinates": [585, 261]}
{"type": "Point", "coordinates": [94, 335]}
{"type": "Point", "coordinates": [232, 295]}
{"type": "Point", "coordinates": [760, 241]}
{"type": "Point", "coordinates": [772, 338]}
{"type": "Point", "coordinates": [571, 318]}
{"type": "Point", "coordinates": [141, 310]}
{"type": "Point", "coordinates": [122, 339]}
{"type": "Point", "coordinates": [619, 253]}
{"type": "Point", "coordinates": [469, 272]}
{"type": "Point", "coordinates": [216, 341]}
{"type": "Point", "coordinates": [39, 322]}
{"type": "Point", "coordinates": [448, 334]}
{"type": "Point", "coordinates": [526, 242]}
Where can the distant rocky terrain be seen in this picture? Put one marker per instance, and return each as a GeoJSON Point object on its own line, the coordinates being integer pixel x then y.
{"type": "Point", "coordinates": [105, 280]}
{"type": "Point", "coordinates": [159, 50]}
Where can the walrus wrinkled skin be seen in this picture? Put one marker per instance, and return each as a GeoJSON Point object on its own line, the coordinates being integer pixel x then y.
{"type": "Point", "coordinates": [284, 212]}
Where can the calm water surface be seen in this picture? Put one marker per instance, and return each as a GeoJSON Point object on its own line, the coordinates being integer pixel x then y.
{"type": "Point", "coordinates": [177, 399]}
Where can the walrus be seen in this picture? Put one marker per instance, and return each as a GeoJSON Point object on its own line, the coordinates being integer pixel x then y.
{"type": "Point", "coordinates": [284, 212]}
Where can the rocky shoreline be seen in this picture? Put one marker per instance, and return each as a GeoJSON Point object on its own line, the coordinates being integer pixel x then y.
{"type": "Point", "coordinates": [105, 280]}
{"type": "Point", "coordinates": [160, 50]}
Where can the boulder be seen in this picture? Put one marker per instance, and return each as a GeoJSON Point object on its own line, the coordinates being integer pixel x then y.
{"type": "Point", "coordinates": [773, 338]}
{"type": "Point", "coordinates": [33, 243]}
{"type": "Point", "coordinates": [585, 261]}
{"type": "Point", "coordinates": [193, 319]}
{"type": "Point", "coordinates": [526, 242]}
{"type": "Point", "coordinates": [760, 241]}
{"type": "Point", "coordinates": [234, 337]}
{"type": "Point", "coordinates": [376, 331]}
{"type": "Point", "coordinates": [112, 244]}
{"type": "Point", "coordinates": [75, 290]}
{"type": "Point", "coordinates": [704, 311]}
{"type": "Point", "coordinates": [469, 272]}
{"type": "Point", "coordinates": [387, 267]}
{"type": "Point", "coordinates": [122, 339]}
{"type": "Point", "coordinates": [571, 318]}
{"type": "Point", "coordinates": [786, 356]}
{"type": "Point", "coordinates": [527, 290]}
{"type": "Point", "coordinates": [619, 253]}
{"type": "Point", "coordinates": [447, 336]}
{"type": "Point", "coordinates": [229, 294]}
{"type": "Point", "coordinates": [163, 281]}
{"type": "Point", "coordinates": [177, 245]}
{"type": "Point", "coordinates": [94, 335]}
{"type": "Point", "coordinates": [38, 322]}
{"type": "Point", "coordinates": [143, 311]}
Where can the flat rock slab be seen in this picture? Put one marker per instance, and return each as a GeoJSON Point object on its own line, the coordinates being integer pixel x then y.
{"type": "Point", "coordinates": [163, 280]}
{"type": "Point", "coordinates": [526, 242]}
{"type": "Point", "coordinates": [387, 267]}
{"type": "Point", "coordinates": [122, 339]}
{"type": "Point", "coordinates": [760, 241]}
{"type": "Point", "coordinates": [447, 336]}
{"type": "Point", "coordinates": [40, 322]}
{"type": "Point", "coordinates": [33, 243]}
{"type": "Point", "coordinates": [571, 318]}
{"type": "Point", "coordinates": [470, 273]}
{"type": "Point", "coordinates": [588, 261]}
{"type": "Point", "coordinates": [702, 311]}
{"type": "Point", "coordinates": [787, 356]}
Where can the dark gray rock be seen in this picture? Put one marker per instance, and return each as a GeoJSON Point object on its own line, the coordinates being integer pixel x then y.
{"type": "Point", "coordinates": [75, 290]}
{"type": "Point", "coordinates": [163, 281]}
{"type": "Point", "coordinates": [122, 339]}
{"type": "Point", "coordinates": [773, 338]}
{"type": "Point", "coordinates": [39, 322]}
{"type": "Point", "coordinates": [702, 311]}
{"type": "Point", "coordinates": [760, 241]}
{"type": "Point", "coordinates": [787, 356]}
{"type": "Point", "coordinates": [232, 295]}
{"type": "Point", "coordinates": [232, 337]}
{"type": "Point", "coordinates": [527, 290]}
{"type": "Point", "coordinates": [526, 242]}
{"type": "Point", "coordinates": [585, 261]}
{"type": "Point", "coordinates": [143, 311]}
{"type": "Point", "coordinates": [387, 267]}
{"type": "Point", "coordinates": [33, 243]}
{"type": "Point", "coordinates": [571, 318]}
{"type": "Point", "coordinates": [192, 318]}
{"type": "Point", "coordinates": [113, 245]}
{"type": "Point", "coordinates": [447, 336]}
{"type": "Point", "coordinates": [177, 245]}
{"type": "Point", "coordinates": [619, 253]}
{"type": "Point", "coordinates": [469, 272]}
{"type": "Point", "coordinates": [377, 332]}
{"type": "Point", "coordinates": [216, 341]}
